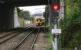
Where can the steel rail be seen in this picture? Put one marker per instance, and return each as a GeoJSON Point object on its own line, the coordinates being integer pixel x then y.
{"type": "Point", "coordinates": [22, 41]}
{"type": "Point", "coordinates": [34, 40]}
{"type": "Point", "coordinates": [15, 33]}
{"type": "Point", "coordinates": [8, 34]}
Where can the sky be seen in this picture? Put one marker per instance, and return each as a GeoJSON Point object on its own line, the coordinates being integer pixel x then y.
{"type": "Point", "coordinates": [34, 9]}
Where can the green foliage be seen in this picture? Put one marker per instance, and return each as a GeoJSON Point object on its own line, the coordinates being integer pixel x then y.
{"type": "Point", "coordinates": [46, 15]}
{"type": "Point", "coordinates": [24, 14]}
{"type": "Point", "coordinates": [71, 27]}
{"type": "Point", "coordinates": [23, 17]}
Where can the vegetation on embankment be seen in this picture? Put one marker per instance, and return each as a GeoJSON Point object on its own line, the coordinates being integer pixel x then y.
{"type": "Point", "coordinates": [71, 26]}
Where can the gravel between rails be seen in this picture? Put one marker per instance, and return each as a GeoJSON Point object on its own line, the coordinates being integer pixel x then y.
{"type": "Point", "coordinates": [12, 42]}
{"type": "Point", "coordinates": [27, 43]}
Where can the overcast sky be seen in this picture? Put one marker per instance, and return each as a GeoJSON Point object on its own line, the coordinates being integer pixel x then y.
{"type": "Point", "coordinates": [34, 9]}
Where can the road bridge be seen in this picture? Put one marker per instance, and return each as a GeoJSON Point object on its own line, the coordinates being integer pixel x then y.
{"type": "Point", "coordinates": [7, 10]}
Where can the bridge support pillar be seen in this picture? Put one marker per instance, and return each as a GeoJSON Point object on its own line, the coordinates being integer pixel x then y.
{"type": "Point", "coordinates": [6, 17]}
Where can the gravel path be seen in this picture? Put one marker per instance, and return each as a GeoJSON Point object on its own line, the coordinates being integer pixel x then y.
{"type": "Point", "coordinates": [42, 42]}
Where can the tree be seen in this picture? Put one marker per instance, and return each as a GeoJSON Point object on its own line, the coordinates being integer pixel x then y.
{"type": "Point", "coordinates": [71, 33]}
{"type": "Point", "coordinates": [24, 14]}
{"type": "Point", "coordinates": [46, 14]}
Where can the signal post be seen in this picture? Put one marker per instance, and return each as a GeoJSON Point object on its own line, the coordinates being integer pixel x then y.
{"type": "Point", "coordinates": [54, 8]}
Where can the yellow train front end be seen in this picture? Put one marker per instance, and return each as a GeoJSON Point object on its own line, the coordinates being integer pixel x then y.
{"type": "Point", "coordinates": [39, 22]}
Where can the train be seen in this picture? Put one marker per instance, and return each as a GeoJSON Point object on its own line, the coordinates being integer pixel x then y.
{"type": "Point", "coordinates": [39, 22]}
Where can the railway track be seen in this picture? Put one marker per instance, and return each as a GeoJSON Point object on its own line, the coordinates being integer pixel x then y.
{"type": "Point", "coordinates": [28, 42]}
{"type": "Point", "coordinates": [13, 42]}
{"type": "Point", "coordinates": [5, 34]}
{"type": "Point", "coordinates": [8, 37]}
{"type": "Point", "coordinates": [34, 41]}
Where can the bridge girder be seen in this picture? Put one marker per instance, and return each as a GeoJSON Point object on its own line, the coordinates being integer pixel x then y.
{"type": "Point", "coordinates": [25, 2]}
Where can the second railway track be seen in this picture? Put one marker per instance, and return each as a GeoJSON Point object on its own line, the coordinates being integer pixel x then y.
{"type": "Point", "coordinates": [8, 36]}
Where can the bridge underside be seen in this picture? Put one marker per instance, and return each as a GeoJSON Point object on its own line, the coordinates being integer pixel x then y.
{"type": "Point", "coordinates": [7, 10]}
{"type": "Point", "coordinates": [26, 2]}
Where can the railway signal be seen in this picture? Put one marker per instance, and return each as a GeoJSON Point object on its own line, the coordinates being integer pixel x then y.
{"type": "Point", "coordinates": [54, 10]}
{"type": "Point", "coordinates": [55, 7]}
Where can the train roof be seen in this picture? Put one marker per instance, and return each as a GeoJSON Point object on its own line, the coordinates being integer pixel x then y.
{"type": "Point", "coordinates": [39, 17]}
